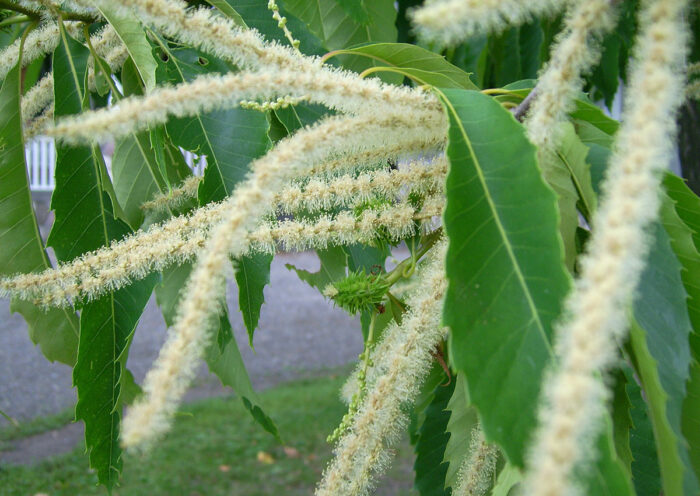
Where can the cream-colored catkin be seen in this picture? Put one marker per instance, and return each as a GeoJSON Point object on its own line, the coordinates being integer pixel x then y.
{"type": "Point", "coordinates": [218, 36]}
{"type": "Point", "coordinates": [109, 46]}
{"type": "Point", "coordinates": [362, 452]}
{"type": "Point", "coordinates": [347, 190]}
{"type": "Point", "coordinates": [39, 123]}
{"type": "Point", "coordinates": [596, 319]}
{"type": "Point", "coordinates": [39, 42]}
{"type": "Point", "coordinates": [40, 96]}
{"type": "Point", "coordinates": [162, 202]}
{"type": "Point", "coordinates": [575, 53]}
{"type": "Point", "coordinates": [180, 239]}
{"type": "Point", "coordinates": [37, 98]}
{"type": "Point", "coordinates": [476, 473]}
{"type": "Point", "coordinates": [451, 21]}
{"type": "Point", "coordinates": [211, 92]}
{"type": "Point", "coordinates": [164, 385]}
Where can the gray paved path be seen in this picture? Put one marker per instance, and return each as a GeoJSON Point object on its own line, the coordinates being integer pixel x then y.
{"type": "Point", "coordinates": [299, 332]}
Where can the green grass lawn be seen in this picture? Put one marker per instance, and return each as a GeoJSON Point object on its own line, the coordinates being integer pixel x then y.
{"type": "Point", "coordinates": [215, 448]}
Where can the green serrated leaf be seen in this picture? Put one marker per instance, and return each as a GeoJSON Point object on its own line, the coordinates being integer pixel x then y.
{"type": "Point", "coordinates": [107, 325]}
{"type": "Point", "coordinates": [435, 377]}
{"type": "Point", "coordinates": [131, 33]}
{"type": "Point", "coordinates": [422, 65]}
{"type": "Point", "coordinates": [336, 29]}
{"type": "Point", "coordinates": [230, 139]}
{"type": "Point", "coordinates": [659, 339]}
{"type": "Point", "coordinates": [223, 356]}
{"type": "Point", "coordinates": [85, 221]}
{"type": "Point", "coordinates": [298, 116]}
{"type": "Point", "coordinates": [461, 425]}
{"type": "Point", "coordinates": [573, 154]}
{"type": "Point", "coordinates": [21, 246]}
{"type": "Point", "coordinates": [557, 174]}
{"type": "Point", "coordinates": [429, 468]}
{"type": "Point", "coordinates": [133, 166]}
{"type": "Point", "coordinates": [252, 275]}
{"type": "Point", "coordinates": [681, 205]}
{"type": "Point", "coordinates": [502, 223]}
{"type": "Point", "coordinates": [607, 74]}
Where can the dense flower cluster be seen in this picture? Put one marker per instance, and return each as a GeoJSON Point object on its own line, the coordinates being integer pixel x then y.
{"type": "Point", "coordinates": [338, 165]}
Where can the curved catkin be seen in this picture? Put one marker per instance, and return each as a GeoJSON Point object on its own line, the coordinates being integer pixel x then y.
{"type": "Point", "coordinates": [362, 452]}
{"type": "Point", "coordinates": [586, 341]}
{"type": "Point", "coordinates": [39, 42]}
{"type": "Point", "coordinates": [37, 98]}
{"type": "Point", "coordinates": [95, 273]}
{"type": "Point", "coordinates": [347, 190]}
{"type": "Point", "coordinates": [211, 92]}
{"type": "Point", "coordinates": [476, 473]}
{"type": "Point", "coordinates": [451, 21]}
{"type": "Point", "coordinates": [167, 381]}
{"type": "Point", "coordinates": [40, 96]}
{"type": "Point", "coordinates": [575, 52]}
{"type": "Point", "coordinates": [161, 202]}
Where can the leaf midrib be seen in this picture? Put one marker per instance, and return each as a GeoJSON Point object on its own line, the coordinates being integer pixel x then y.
{"type": "Point", "coordinates": [499, 225]}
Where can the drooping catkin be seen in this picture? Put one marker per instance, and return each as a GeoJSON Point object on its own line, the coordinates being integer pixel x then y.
{"type": "Point", "coordinates": [575, 52]}
{"type": "Point", "coordinates": [37, 98]}
{"type": "Point", "coordinates": [180, 239]}
{"type": "Point", "coordinates": [361, 452]}
{"type": "Point", "coordinates": [166, 382]}
{"type": "Point", "coordinates": [175, 198]}
{"type": "Point", "coordinates": [451, 21]}
{"type": "Point", "coordinates": [39, 42]}
{"type": "Point", "coordinates": [596, 321]}
{"type": "Point", "coordinates": [211, 92]}
{"type": "Point", "coordinates": [476, 473]}
{"type": "Point", "coordinates": [40, 96]}
{"type": "Point", "coordinates": [347, 190]}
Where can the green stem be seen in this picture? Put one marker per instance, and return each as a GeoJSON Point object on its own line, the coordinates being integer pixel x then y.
{"type": "Point", "coordinates": [404, 268]}
{"type": "Point", "coordinates": [98, 62]}
{"type": "Point", "coordinates": [21, 53]}
{"type": "Point", "coordinates": [370, 342]}
{"type": "Point", "coordinates": [15, 20]}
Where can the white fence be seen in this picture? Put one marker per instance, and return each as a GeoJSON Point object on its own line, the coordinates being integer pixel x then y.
{"type": "Point", "coordinates": [40, 155]}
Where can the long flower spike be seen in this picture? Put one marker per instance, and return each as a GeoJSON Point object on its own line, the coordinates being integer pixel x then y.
{"type": "Point", "coordinates": [576, 52]}
{"type": "Point", "coordinates": [451, 21]}
{"type": "Point", "coordinates": [587, 340]}
{"type": "Point", "coordinates": [362, 451]}
{"type": "Point", "coordinates": [215, 92]}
